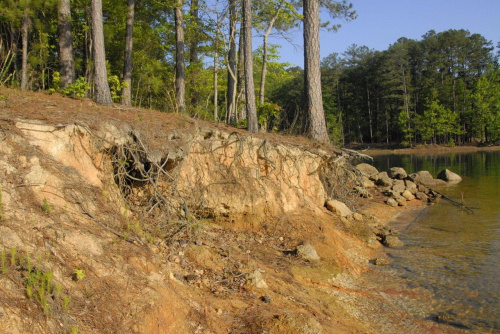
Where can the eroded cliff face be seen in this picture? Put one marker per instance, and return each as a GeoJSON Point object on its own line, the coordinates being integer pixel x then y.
{"type": "Point", "coordinates": [110, 223]}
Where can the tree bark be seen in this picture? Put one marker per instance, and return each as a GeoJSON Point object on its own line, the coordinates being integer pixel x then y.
{"type": "Point", "coordinates": [193, 50]}
{"type": "Point", "coordinates": [312, 73]}
{"type": "Point", "coordinates": [66, 57]}
{"type": "Point", "coordinates": [216, 65]}
{"type": "Point", "coordinates": [241, 113]}
{"type": "Point", "coordinates": [102, 94]}
{"type": "Point", "coordinates": [252, 123]}
{"type": "Point", "coordinates": [180, 83]}
{"type": "Point", "coordinates": [231, 67]}
{"type": "Point", "coordinates": [126, 98]}
{"type": "Point", "coordinates": [24, 64]}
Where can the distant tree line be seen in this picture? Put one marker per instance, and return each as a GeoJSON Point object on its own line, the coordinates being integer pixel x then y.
{"type": "Point", "coordinates": [443, 89]}
{"type": "Point", "coordinates": [197, 58]}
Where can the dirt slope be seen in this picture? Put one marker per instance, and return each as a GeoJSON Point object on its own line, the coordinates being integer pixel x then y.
{"type": "Point", "coordinates": [135, 221]}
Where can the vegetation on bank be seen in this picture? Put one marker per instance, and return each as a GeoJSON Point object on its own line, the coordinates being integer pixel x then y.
{"type": "Point", "coordinates": [189, 57]}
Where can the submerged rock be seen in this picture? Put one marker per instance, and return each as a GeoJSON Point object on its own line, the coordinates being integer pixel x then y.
{"type": "Point", "coordinates": [449, 176]}
{"type": "Point", "coordinates": [425, 178]}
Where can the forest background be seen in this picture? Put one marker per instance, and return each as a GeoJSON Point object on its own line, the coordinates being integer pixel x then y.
{"type": "Point", "coordinates": [442, 89]}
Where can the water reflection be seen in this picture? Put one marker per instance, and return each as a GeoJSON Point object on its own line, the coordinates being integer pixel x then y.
{"type": "Point", "coordinates": [449, 252]}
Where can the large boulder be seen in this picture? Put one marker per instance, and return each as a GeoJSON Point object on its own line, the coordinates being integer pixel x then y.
{"type": "Point", "coordinates": [399, 186]}
{"type": "Point", "coordinates": [397, 173]}
{"type": "Point", "coordinates": [449, 176]}
{"type": "Point", "coordinates": [425, 178]}
{"type": "Point", "coordinates": [391, 202]}
{"type": "Point", "coordinates": [367, 169]}
{"type": "Point", "coordinates": [338, 208]}
{"type": "Point", "coordinates": [411, 186]}
{"type": "Point", "coordinates": [408, 195]}
{"type": "Point", "coordinates": [382, 179]}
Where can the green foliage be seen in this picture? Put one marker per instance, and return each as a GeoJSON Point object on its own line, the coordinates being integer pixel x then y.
{"type": "Point", "coordinates": [79, 274]}
{"type": "Point", "coordinates": [1, 206]}
{"type": "Point", "coordinates": [46, 207]}
{"type": "Point", "coordinates": [3, 262]}
{"type": "Point", "coordinates": [114, 87]}
{"type": "Point", "coordinates": [77, 89]}
{"type": "Point", "coordinates": [269, 116]}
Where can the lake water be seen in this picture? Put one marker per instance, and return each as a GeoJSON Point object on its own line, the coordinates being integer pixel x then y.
{"type": "Point", "coordinates": [449, 252]}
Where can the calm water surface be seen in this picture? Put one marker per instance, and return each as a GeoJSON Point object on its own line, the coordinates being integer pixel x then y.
{"type": "Point", "coordinates": [454, 254]}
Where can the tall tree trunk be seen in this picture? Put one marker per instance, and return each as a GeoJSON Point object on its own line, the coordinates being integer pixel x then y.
{"type": "Point", "coordinates": [66, 58]}
{"type": "Point", "coordinates": [312, 73]}
{"type": "Point", "coordinates": [180, 84]}
{"type": "Point", "coordinates": [216, 65]}
{"type": "Point", "coordinates": [193, 51]}
{"type": "Point", "coordinates": [231, 66]}
{"type": "Point", "coordinates": [264, 56]}
{"type": "Point", "coordinates": [102, 94]}
{"type": "Point", "coordinates": [252, 123]}
{"type": "Point", "coordinates": [369, 113]}
{"type": "Point", "coordinates": [242, 114]}
{"type": "Point", "coordinates": [126, 99]}
{"type": "Point", "coordinates": [24, 67]}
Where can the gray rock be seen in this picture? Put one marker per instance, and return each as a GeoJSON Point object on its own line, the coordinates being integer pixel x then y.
{"type": "Point", "coordinates": [383, 179]}
{"type": "Point", "coordinates": [392, 241]}
{"type": "Point", "coordinates": [425, 178]}
{"type": "Point", "coordinates": [401, 200]}
{"type": "Point", "coordinates": [362, 192]}
{"type": "Point", "coordinates": [338, 208]}
{"type": "Point", "coordinates": [307, 252]}
{"type": "Point", "coordinates": [366, 182]}
{"type": "Point", "coordinates": [411, 186]}
{"type": "Point", "coordinates": [408, 195]}
{"type": "Point", "coordinates": [449, 176]}
{"type": "Point", "coordinates": [367, 169]}
{"type": "Point", "coordinates": [421, 196]}
{"type": "Point", "coordinates": [397, 173]}
{"type": "Point", "coordinates": [399, 186]}
{"type": "Point", "coordinates": [382, 261]}
{"type": "Point", "coordinates": [255, 279]}
{"type": "Point", "coordinates": [391, 202]}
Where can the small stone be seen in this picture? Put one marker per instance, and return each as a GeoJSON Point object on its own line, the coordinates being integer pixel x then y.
{"type": "Point", "coordinates": [411, 186]}
{"type": "Point", "coordinates": [338, 208]}
{"type": "Point", "coordinates": [382, 261]}
{"type": "Point", "coordinates": [401, 200]}
{"type": "Point", "coordinates": [391, 202]}
{"type": "Point", "coordinates": [421, 196]}
{"type": "Point", "coordinates": [307, 252]}
{"type": "Point", "coordinates": [255, 279]}
{"type": "Point", "coordinates": [408, 195]}
{"type": "Point", "coordinates": [266, 299]}
{"type": "Point", "coordinates": [392, 241]}
{"type": "Point", "coordinates": [357, 216]}
{"type": "Point", "coordinates": [399, 186]}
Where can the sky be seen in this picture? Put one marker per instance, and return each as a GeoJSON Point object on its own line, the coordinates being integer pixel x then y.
{"type": "Point", "coordinates": [382, 22]}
